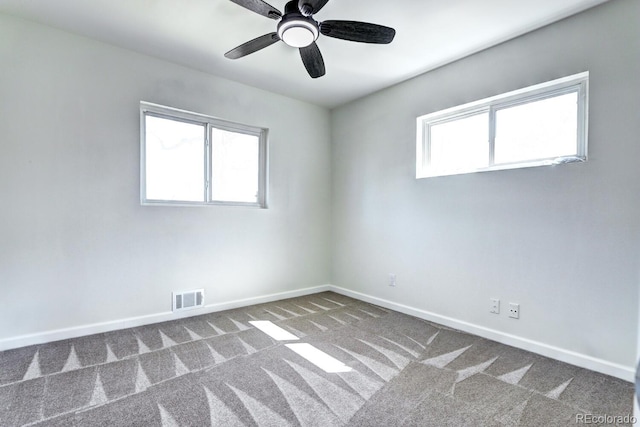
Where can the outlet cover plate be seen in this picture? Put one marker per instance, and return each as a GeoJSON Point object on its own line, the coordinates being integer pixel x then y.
{"type": "Point", "coordinates": [392, 279]}
{"type": "Point", "coordinates": [495, 306]}
{"type": "Point", "coordinates": [514, 310]}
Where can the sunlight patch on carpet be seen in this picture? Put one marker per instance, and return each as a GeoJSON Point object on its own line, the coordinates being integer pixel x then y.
{"type": "Point", "coordinates": [319, 358]}
{"type": "Point", "coordinates": [273, 330]}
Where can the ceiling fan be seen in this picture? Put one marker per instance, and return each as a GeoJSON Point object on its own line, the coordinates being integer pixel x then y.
{"type": "Point", "coordinates": [298, 29]}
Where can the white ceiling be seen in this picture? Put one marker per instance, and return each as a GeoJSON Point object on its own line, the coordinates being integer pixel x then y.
{"type": "Point", "coordinates": [197, 33]}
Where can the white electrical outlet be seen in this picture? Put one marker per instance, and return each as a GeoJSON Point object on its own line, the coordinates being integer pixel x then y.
{"type": "Point", "coordinates": [514, 310]}
{"type": "Point", "coordinates": [392, 279]}
{"type": "Point", "coordinates": [495, 306]}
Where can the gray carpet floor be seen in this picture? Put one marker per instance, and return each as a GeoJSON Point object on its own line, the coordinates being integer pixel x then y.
{"type": "Point", "coordinates": [217, 369]}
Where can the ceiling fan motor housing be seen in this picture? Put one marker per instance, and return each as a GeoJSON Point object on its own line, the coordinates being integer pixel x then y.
{"type": "Point", "coordinates": [306, 9]}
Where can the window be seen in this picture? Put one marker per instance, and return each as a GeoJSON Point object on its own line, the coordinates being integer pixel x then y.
{"type": "Point", "coordinates": [192, 159]}
{"type": "Point", "coordinates": [540, 125]}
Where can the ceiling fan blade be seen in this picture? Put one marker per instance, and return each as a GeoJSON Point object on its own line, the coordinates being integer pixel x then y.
{"type": "Point", "coordinates": [260, 7]}
{"type": "Point", "coordinates": [252, 46]}
{"type": "Point", "coordinates": [355, 31]}
{"type": "Point", "coordinates": [309, 7]}
{"type": "Point", "coordinates": [312, 60]}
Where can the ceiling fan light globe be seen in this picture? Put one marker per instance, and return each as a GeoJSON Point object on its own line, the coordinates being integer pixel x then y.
{"type": "Point", "coordinates": [297, 33]}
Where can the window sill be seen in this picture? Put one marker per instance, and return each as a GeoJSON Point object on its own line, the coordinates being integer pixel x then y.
{"type": "Point", "coordinates": [507, 166]}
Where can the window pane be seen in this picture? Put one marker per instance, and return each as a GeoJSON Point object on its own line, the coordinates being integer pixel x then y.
{"type": "Point", "coordinates": [460, 145]}
{"type": "Point", "coordinates": [234, 166]}
{"type": "Point", "coordinates": [538, 130]}
{"type": "Point", "coordinates": [174, 160]}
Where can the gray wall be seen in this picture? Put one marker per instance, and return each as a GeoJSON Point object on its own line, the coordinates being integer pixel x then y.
{"type": "Point", "coordinates": [76, 247]}
{"type": "Point", "coordinates": [563, 241]}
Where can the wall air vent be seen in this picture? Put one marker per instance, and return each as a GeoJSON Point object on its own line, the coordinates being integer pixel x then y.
{"type": "Point", "coordinates": [186, 300]}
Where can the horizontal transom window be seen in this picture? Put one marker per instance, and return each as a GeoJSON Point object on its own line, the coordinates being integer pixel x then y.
{"type": "Point", "coordinates": [193, 159]}
{"type": "Point", "coordinates": [539, 125]}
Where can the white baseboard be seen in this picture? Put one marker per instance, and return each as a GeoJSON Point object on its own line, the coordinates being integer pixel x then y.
{"type": "Point", "coordinates": [97, 328]}
{"type": "Point", "coordinates": [584, 361]}
{"type": "Point", "coordinates": [625, 373]}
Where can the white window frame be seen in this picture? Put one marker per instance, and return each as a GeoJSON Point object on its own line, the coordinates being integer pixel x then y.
{"type": "Point", "coordinates": [578, 83]}
{"type": "Point", "coordinates": [209, 123]}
